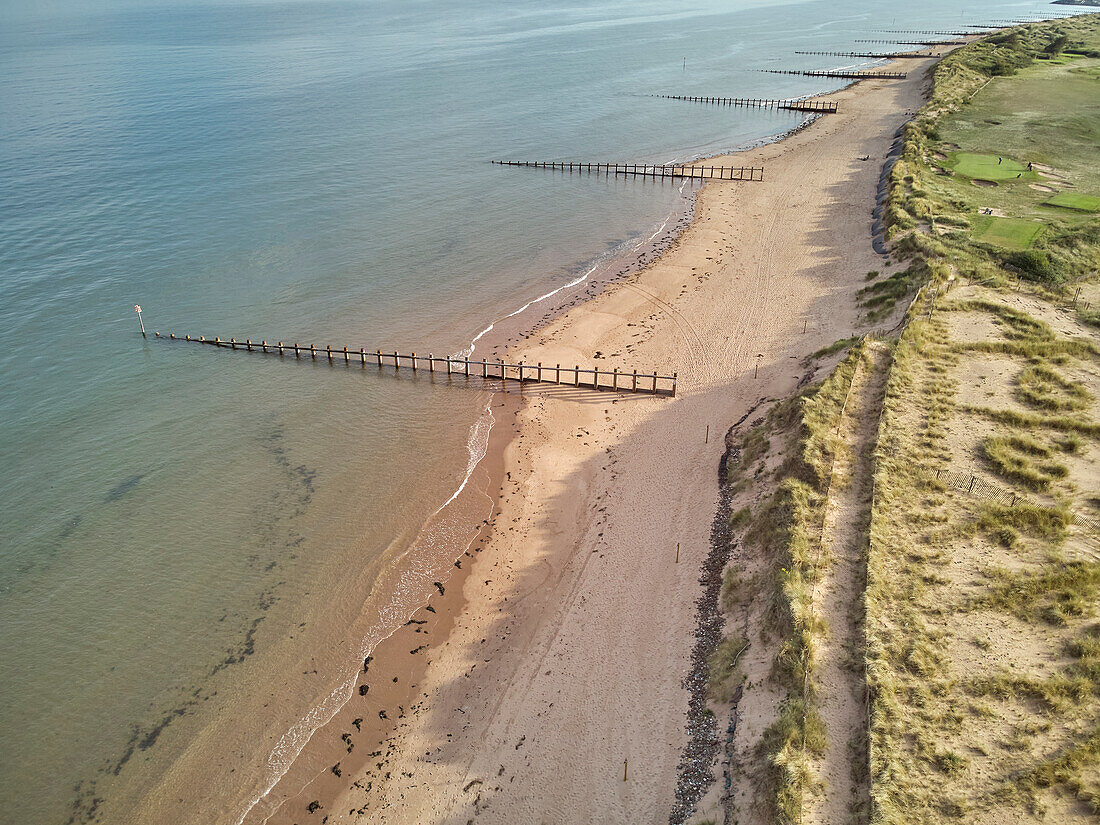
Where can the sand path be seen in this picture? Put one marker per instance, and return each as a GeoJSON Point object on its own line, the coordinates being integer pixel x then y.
{"type": "Point", "coordinates": [569, 656]}
{"type": "Point", "coordinates": [839, 603]}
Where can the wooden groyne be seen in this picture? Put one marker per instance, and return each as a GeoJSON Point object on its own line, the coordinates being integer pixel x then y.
{"type": "Point", "coordinates": [870, 55]}
{"type": "Point", "coordinates": [915, 42]}
{"type": "Point", "coordinates": [922, 31]}
{"type": "Point", "coordinates": [816, 106]}
{"type": "Point", "coordinates": [677, 170]}
{"type": "Point", "coordinates": [854, 75]}
{"type": "Point", "coordinates": [614, 379]}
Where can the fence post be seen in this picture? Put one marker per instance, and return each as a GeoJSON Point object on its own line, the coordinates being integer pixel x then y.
{"type": "Point", "coordinates": [654, 382]}
{"type": "Point", "coordinates": [466, 365]}
{"type": "Point", "coordinates": [577, 376]}
{"type": "Point", "coordinates": [414, 361]}
{"type": "Point", "coordinates": [557, 374]}
{"type": "Point", "coordinates": [674, 384]}
{"type": "Point", "coordinates": [296, 354]}
{"type": "Point", "coordinates": [328, 348]}
{"type": "Point", "coordinates": [378, 355]}
{"type": "Point", "coordinates": [345, 355]}
{"type": "Point", "coordinates": [634, 382]}
{"type": "Point", "coordinates": [363, 356]}
{"type": "Point", "coordinates": [538, 374]}
{"type": "Point", "coordinates": [396, 361]}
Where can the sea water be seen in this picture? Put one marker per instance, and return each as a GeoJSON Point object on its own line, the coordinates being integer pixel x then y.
{"type": "Point", "coordinates": [191, 539]}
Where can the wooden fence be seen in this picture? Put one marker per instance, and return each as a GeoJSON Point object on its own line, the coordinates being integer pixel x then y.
{"type": "Point", "coordinates": [974, 485]}
{"type": "Point", "coordinates": [819, 106]}
{"type": "Point", "coordinates": [854, 75]}
{"type": "Point", "coordinates": [677, 170]}
{"type": "Point", "coordinates": [614, 379]}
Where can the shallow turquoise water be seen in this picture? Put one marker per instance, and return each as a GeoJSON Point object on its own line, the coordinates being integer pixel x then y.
{"type": "Point", "coordinates": [180, 524]}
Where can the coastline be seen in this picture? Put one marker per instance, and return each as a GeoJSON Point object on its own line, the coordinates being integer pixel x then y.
{"type": "Point", "coordinates": [310, 764]}
{"type": "Point", "coordinates": [473, 608]}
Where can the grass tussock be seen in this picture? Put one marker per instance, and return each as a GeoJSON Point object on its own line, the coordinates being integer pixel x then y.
{"type": "Point", "coordinates": [1074, 769]}
{"type": "Point", "coordinates": [1056, 594]}
{"type": "Point", "coordinates": [1027, 421]}
{"type": "Point", "coordinates": [722, 667]}
{"type": "Point", "coordinates": [1055, 694]}
{"type": "Point", "coordinates": [788, 743]}
{"type": "Point", "coordinates": [1043, 387]}
{"type": "Point", "coordinates": [880, 298]}
{"type": "Point", "coordinates": [833, 348]}
{"type": "Point", "coordinates": [1048, 524]}
{"type": "Point", "coordinates": [1022, 459]}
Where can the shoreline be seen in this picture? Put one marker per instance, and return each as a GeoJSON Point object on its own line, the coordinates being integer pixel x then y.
{"type": "Point", "coordinates": [563, 536]}
{"type": "Point", "coordinates": [438, 608]}
{"type": "Point", "coordinates": [325, 780]}
{"type": "Point", "coordinates": [602, 274]}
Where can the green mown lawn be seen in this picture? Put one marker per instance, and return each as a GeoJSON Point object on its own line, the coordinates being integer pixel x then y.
{"type": "Point", "coordinates": [1071, 200]}
{"type": "Point", "coordinates": [985, 167]}
{"type": "Point", "coordinates": [1012, 233]}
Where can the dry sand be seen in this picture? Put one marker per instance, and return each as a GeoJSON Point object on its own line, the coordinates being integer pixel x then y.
{"type": "Point", "coordinates": [568, 653]}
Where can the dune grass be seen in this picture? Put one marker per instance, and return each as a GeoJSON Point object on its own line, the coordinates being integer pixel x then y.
{"type": "Point", "coordinates": [722, 667]}
{"type": "Point", "coordinates": [1023, 459]}
{"type": "Point", "coordinates": [1043, 387]}
{"type": "Point", "coordinates": [1054, 594]}
{"type": "Point", "coordinates": [919, 702]}
{"type": "Point", "coordinates": [786, 528]}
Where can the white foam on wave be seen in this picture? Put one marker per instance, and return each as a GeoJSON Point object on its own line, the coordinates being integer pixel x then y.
{"type": "Point", "coordinates": [413, 584]}
{"type": "Point", "coordinates": [466, 353]}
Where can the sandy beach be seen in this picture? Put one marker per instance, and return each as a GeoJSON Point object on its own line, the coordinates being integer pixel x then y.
{"type": "Point", "coordinates": [554, 664]}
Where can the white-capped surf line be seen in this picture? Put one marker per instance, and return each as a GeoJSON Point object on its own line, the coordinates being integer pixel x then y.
{"type": "Point", "coordinates": [466, 353]}
{"type": "Point", "coordinates": [294, 741]}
